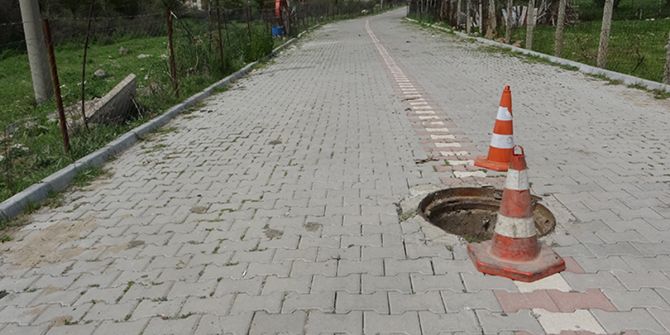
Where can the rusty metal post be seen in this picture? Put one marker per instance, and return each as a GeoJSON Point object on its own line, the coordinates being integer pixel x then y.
{"type": "Point", "coordinates": [56, 85]}
{"type": "Point", "coordinates": [83, 67]}
{"type": "Point", "coordinates": [218, 26]}
{"type": "Point", "coordinates": [173, 65]}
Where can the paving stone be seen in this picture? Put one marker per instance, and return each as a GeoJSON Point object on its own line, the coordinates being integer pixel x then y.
{"type": "Point", "coordinates": [114, 312]}
{"type": "Point", "coordinates": [635, 281]}
{"type": "Point", "coordinates": [160, 308]}
{"type": "Point", "coordinates": [264, 323]}
{"type": "Point", "coordinates": [220, 325]}
{"type": "Point", "coordinates": [556, 323]}
{"type": "Point", "coordinates": [515, 301]}
{"type": "Point", "coordinates": [346, 302]}
{"type": "Point", "coordinates": [324, 301]}
{"type": "Point", "coordinates": [401, 303]}
{"type": "Point", "coordinates": [636, 319]}
{"type": "Point", "coordinates": [479, 282]}
{"type": "Point", "coordinates": [320, 323]}
{"type": "Point", "coordinates": [211, 306]}
{"type": "Point", "coordinates": [172, 326]}
{"type": "Point", "coordinates": [116, 328]}
{"type": "Point", "coordinates": [373, 267]}
{"type": "Point", "coordinates": [231, 286]}
{"type": "Point", "coordinates": [244, 303]}
{"type": "Point", "coordinates": [583, 282]}
{"type": "Point", "coordinates": [424, 283]}
{"type": "Point", "coordinates": [520, 321]}
{"type": "Point", "coordinates": [14, 329]}
{"type": "Point", "coordinates": [457, 302]}
{"type": "Point", "coordinates": [58, 313]}
{"type": "Point", "coordinates": [398, 283]}
{"type": "Point", "coordinates": [375, 323]}
{"type": "Point", "coordinates": [350, 284]}
{"type": "Point", "coordinates": [438, 323]}
{"type": "Point", "coordinates": [644, 298]}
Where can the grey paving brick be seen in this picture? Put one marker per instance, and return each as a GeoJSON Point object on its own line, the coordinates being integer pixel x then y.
{"type": "Point", "coordinates": [401, 303]}
{"type": "Point", "coordinates": [212, 306]}
{"type": "Point", "coordinates": [114, 312]}
{"type": "Point", "coordinates": [116, 328]}
{"type": "Point", "coordinates": [636, 319]}
{"type": "Point", "coordinates": [457, 302]}
{"type": "Point", "coordinates": [346, 302]}
{"type": "Point", "coordinates": [327, 268]}
{"type": "Point", "coordinates": [350, 284]}
{"type": "Point", "coordinates": [424, 283]}
{"type": "Point", "coordinates": [478, 282]}
{"type": "Point", "coordinates": [14, 329]}
{"type": "Point", "coordinates": [231, 286]}
{"type": "Point", "coordinates": [324, 301]}
{"type": "Point", "coordinates": [83, 329]}
{"type": "Point", "coordinates": [635, 281]}
{"type": "Point", "coordinates": [520, 321]}
{"type": "Point", "coordinates": [157, 308]}
{"type": "Point", "coordinates": [244, 303]}
{"type": "Point", "coordinates": [421, 265]}
{"type": "Point", "coordinates": [397, 283]}
{"type": "Point", "coordinates": [373, 267]}
{"type": "Point", "coordinates": [601, 279]}
{"type": "Point", "coordinates": [320, 323]}
{"type": "Point", "coordinates": [264, 323]}
{"type": "Point", "coordinates": [299, 284]}
{"type": "Point", "coordinates": [643, 298]}
{"type": "Point", "coordinates": [58, 313]}
{"type": "Point", "coordinates": [179, 326]}
{"type": "Point", "coordinates": [439, 323]}
{"type": "Point", "coordinates": [220, 325]}
{"type": "Point", "coordinates": [407, 323]}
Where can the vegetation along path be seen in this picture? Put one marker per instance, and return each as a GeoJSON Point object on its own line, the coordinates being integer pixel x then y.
{"type": "Point", "coordinates": [273, 206]}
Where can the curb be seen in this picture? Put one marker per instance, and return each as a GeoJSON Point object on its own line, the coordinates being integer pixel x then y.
{"type": "Point", "coordinates": [61, 179]}
{"type": "Point", "coordinates": [584, 68]}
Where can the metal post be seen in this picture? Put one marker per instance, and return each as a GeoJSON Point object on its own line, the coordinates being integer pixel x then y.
{"type": "Point", "coordinates": [173, 65]}
{"type": "Point", "coordinates": [37, 54]}
{"type": "Point", "coordinates": [83, 67]}
{"type": "Point", "coordinates": [56, 86]}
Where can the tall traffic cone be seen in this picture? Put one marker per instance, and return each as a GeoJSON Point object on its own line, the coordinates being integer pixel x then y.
{"type": "Point", "coordinates": [502, 140]}
{"type": "Point", "coordinates": [514, 252]}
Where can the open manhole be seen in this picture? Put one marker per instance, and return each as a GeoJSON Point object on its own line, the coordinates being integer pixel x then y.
{"type": "Point", "coordinates": [471, 212]}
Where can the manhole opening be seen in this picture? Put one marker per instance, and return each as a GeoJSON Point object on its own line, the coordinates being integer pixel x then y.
{"type": "Point", "coordinates": [471, 212]}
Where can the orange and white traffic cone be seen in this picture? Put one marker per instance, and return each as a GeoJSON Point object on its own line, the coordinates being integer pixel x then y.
{"type": "Point", "coordinates": [514, 252]}
{"type": "Point", "coordinates": [502, 139]}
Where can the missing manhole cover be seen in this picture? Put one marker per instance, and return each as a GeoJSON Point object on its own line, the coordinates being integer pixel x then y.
{"type": "Point", "coordinates": [471, 212]}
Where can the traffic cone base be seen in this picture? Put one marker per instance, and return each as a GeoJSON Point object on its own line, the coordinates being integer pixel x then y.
{"type": "Point", "coordinates": [545, 264]}
{"type": "Point", "coordinates": [484, 162]}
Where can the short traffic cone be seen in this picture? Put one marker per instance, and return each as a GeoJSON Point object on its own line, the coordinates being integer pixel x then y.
{"type": "Point", "coordinates": [514, 252]}
{"type": "Point", "coordinates": [502, 140]}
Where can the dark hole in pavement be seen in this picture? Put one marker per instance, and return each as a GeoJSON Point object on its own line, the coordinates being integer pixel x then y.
{"type": "Point", "coordinates": [471, 212]}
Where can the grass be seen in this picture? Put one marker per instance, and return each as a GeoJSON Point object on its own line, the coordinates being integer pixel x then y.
{"type": "Point", "coordinates": [635, 47]}
{"type": "Point", "coordinates": [34, 149]}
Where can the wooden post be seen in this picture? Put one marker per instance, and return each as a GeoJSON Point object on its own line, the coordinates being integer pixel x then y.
{"type": "Point", "coordinates": [491, 22]}
{"type": "Point", "coordinates": [481, 16]}
{"type": "Point", "coordinates": [508, 24]}
{"type": "Point", "coordinates": [173, 65]}
{"type": "Point", "coordinates": [83, 67]}
{"type": "Point", "coordinates": [218, 27]}
{"type": "Point", "coordinates": [530, 24]}
{"type": "Point", "coordinates": [666, 77]}
{"type": "Point", "coordinates": [56, 85]}
{"type": "Point", "coordinates": [560, 26]}
{"type": "Point", "coordinates": [458, 14]}
{"type": "Point", "coordinates": [249, 22]}
{"type": "Point", "coordinates": [468, 16]}
{"type": "Point", "coordinates": [605, 33]}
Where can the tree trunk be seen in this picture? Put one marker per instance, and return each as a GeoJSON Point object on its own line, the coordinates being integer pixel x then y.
{"type": "Point", "coordinates": [605, 33]}
{"type": "Point", "coordinates": [560, 25]}
{"type": "Point", "coordinates": [468, 17]}
{"type": "Point", "coordinates": [458, 14]}
{"type": "Point", "coordinates": [530, 24]}
{"type": "Point", "coordinates": [666, 78]}
{"type": "Point", "coordinates": [508, 27]}
{"type": "Point", "coordinates": [481, 17]}
{"type": "Point", "coordinates": [491, 21]}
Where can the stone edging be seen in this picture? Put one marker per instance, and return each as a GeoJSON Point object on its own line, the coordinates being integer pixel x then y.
{"type": "Point", "coordinates": [60, 180]}
{"type": "Point", "coordinates": [625, 78]}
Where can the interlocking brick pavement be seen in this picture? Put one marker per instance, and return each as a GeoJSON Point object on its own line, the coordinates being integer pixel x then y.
{"type": "Point", "coordinates": [271, 208]}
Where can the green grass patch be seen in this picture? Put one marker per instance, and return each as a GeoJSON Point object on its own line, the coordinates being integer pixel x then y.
{"type": "Point", "coordinates": [635, 47]}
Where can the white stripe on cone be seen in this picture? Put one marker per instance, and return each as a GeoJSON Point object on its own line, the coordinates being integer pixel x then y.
{"type": "Point", "coordinates": [502, 141]}
{"type": "Point", "coordinates": [517, 180]}
{"type": "Point", "coordinates": [515, 227]}
{"type": "Point", "coordinates": [504, 114]}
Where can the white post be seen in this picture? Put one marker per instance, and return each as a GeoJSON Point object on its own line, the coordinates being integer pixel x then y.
{"type": "Point", "coordinates": [560, 26]}
{"type": "Point", "coordinates": [605, 33]}
{"type": "Point", "coordinates": [530, 24]}
{"type": "Point", "coordinates": [37, 53]}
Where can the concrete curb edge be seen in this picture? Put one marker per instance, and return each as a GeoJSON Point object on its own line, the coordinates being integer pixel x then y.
{"type": "Point", "coordinates": [61, 179]}
{"type": "Point", "coordinates": [584, 68]}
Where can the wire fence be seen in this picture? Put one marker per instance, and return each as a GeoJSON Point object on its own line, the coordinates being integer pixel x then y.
{"type": "Point", "coordinates": [173, 52]}
{"type": "Point", "coordinates": [634, 41]}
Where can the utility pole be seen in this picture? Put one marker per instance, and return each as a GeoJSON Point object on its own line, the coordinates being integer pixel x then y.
{"type": "Point", "coordinates": [37, 54]}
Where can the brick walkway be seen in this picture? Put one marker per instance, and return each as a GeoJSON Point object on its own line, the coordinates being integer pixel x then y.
{"type": "Point", "coordinates": [272, 208]}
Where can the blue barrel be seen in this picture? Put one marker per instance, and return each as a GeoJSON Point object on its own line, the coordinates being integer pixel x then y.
{"type": "Point", "coordinates": [277, 31]}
